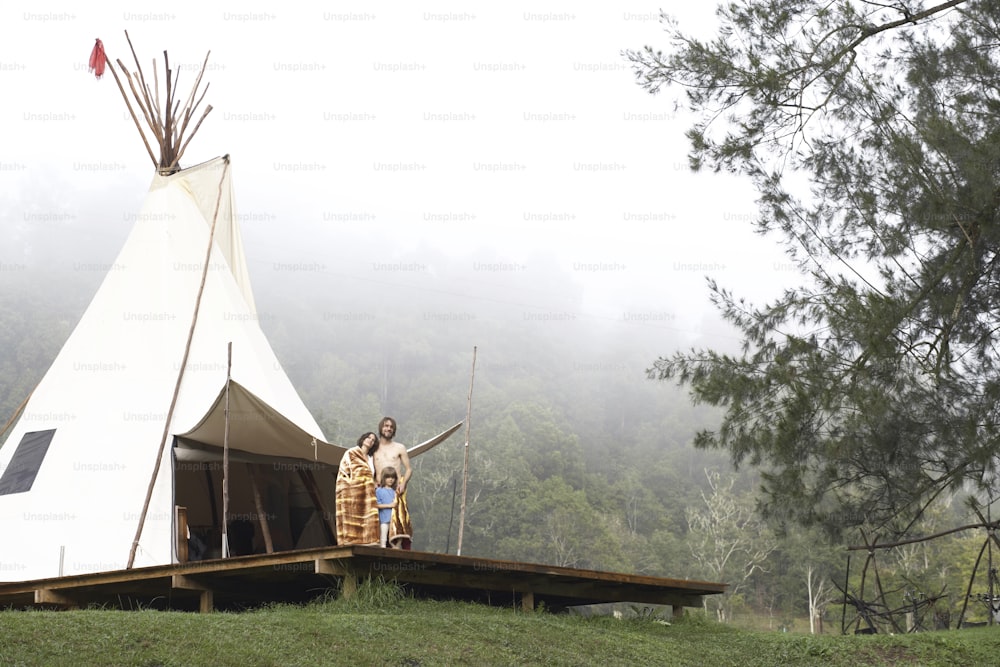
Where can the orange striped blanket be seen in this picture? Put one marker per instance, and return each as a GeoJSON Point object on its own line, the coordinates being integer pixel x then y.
{"type": "Point", "coordinates": [357, 509]}
{"type": "Point", "coordinates": [400, 528]}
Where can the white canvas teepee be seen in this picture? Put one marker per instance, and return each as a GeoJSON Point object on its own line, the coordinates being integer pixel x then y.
{"type": "Point", "coordinates": [75, 470]}
{"type": "Point", "coordinates": [166, 424]}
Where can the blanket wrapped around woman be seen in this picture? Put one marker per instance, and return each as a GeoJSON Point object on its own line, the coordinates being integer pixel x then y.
{"type": "Point", "coordinates": [357, 508]}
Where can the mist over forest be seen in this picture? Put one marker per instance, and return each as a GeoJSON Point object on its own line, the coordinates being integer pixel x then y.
{"type": "Point", "coordinates": [576, 457]}
{"type": "Point", "coordinates": [406, 200]}
{"type": "Point", "coordinates": [373, 330]}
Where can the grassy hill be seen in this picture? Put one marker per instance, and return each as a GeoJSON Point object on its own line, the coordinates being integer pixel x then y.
{"type": "Point", "coordinates": [386, 629]}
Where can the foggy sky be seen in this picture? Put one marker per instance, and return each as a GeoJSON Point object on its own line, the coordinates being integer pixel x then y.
{"type": "Point", "coordinates": [451, 149]}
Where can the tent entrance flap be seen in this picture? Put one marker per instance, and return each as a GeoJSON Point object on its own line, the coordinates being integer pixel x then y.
{"type": "Point", "coordinates": [257, 428]}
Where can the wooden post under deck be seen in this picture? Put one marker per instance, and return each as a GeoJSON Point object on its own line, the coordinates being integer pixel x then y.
{"type": "Point", "coordinates": [49, 596]}
{"type": "Point", "coordinates": [206, 598]}
{"type": "Point", "coordinates": [348, 574]}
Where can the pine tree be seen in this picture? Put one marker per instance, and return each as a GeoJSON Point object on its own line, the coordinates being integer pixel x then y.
{"type": "Point", "coordinates": [871, 391]}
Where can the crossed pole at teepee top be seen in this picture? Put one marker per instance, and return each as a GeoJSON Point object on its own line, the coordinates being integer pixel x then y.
{"type": "Point", "coordinates": [167, 126]}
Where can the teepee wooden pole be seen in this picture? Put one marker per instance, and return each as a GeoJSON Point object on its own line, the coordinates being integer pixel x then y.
{"type": "Point", "coordinates": [154, 111]}
{"type": "Point", "coordinates": [131, 111]}
{"type": "Point", "coordinates": [167, 157]}
{"type": "Point", "coordinates": [180, 372]}
{"type": "Point", "coordinates": [186, 113]}
{"type": "Point", "coordinates": [190, 104]}
{"type": "Point", "coordinates": [145, 99]}
{"type": "Point", "coordinates": [465, 467]}
{"type": "Point", "coordinates": [156, 87]}
{"type": "Point", "coordinates": [169, 123]}
{"type": "Point", "coordinates": [180, 152]}
{"type": "Point", "coordinates": [151, 122]}
{"type": "Point", "coordinates": [135, 57]}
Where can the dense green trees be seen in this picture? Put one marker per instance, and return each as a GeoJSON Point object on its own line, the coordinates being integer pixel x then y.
{"type": "Point", "coordinates": [870, 131]}
{"type": "Point", "coordinates": [864, 394]}
{"type": "Point", "coordinates": [37, 318]}
{"type": "Point", "coordinates": [555, 476]}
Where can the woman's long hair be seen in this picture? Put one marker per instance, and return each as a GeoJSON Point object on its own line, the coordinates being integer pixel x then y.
{"type": "Point", "coordinates": [365, 436]}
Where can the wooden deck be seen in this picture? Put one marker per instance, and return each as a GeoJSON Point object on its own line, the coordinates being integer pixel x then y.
{"type": "Point", "coordinates": [298, 576]}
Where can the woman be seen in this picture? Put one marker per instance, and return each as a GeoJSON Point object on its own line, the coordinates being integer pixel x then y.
{"type": "Point", "coordinates": [357, 508]}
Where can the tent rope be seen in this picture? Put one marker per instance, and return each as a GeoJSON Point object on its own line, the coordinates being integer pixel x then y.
{"type": "Point", "coordinates": [180, 372]}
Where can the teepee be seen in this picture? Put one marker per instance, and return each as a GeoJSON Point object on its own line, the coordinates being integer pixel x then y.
{"type": "Point", "coordinates": [166, 429]}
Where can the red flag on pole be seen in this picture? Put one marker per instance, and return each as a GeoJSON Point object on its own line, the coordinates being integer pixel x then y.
{"type": "Point", "coordinates": [98, 60]}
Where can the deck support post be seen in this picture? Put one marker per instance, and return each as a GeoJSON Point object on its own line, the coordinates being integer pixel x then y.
{"type": "Point", "coordinates": [206, 602]}
{"type": "Point", "coordinates": [347, 573]}
{"type": "Point", "coordinates": [206, 598]}
{"type": "Point", "coordinates": [49, 596]}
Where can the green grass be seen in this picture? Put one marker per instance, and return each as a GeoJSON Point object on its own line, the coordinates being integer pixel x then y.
{"type": "Point", "coordinates": [381, 627]}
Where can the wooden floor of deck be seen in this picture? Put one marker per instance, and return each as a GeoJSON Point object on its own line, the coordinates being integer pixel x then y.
{"type": "Point", "coordinates": [298, 576]}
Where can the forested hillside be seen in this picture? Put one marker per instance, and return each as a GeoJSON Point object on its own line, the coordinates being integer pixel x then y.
{"type": "Point", "coordinates": [576, 457]}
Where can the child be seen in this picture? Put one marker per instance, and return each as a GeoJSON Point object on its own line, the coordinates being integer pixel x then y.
{"type": "Point", "coordinates": [385, 494]}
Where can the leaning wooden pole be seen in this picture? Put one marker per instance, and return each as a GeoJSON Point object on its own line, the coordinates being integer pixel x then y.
{"type": "Point", "coordinates": [225, 455]}
{"type": "Point", "coordinates": [843, 609]}
{"type": "Point", "coordinates": [968, 590]}
{"type": "Point", "coordinates": [131, 111]}
{"type": "Point", "coordinates": [465, 466]}
{"type": "Point", "coordinates": [881, 597]}
{"type": "Point", "coordinates": [989, 562]}
{"type": "Point", "coordinates": [451, 517]}
{"type": "Point", "coordinates": [864, 576]}
{"type": "Point", "coordinates": [180, 373]}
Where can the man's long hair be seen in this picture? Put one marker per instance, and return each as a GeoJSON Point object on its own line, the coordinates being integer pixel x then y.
{"type": "Point", "coordinates": [383, 422]}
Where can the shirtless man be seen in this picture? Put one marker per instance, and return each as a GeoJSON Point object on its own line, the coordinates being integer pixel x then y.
{"type": "Point", "coordinates": [391, 453]}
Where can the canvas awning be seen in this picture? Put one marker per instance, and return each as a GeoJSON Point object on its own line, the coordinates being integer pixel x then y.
{"type": "Point", "coordinates": [257, 428]}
